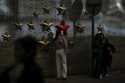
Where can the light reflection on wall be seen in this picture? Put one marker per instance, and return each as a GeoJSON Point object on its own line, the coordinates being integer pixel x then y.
{"type": "Point", "coordinates": [4, 9]}
{"type": "Point", "coordinates": [112, 26]}
{"type": "Point", "coordinates": [3, 29]}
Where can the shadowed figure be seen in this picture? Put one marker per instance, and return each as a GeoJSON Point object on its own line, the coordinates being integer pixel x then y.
{"type": "Point", "coordinates": [109, 49]}
{"type": "Point", "coordinates": [31, 73]}
{"type": "Point", "coordinates": [98, 55]}
{"type": "Point", "coordinates": [4, 77]}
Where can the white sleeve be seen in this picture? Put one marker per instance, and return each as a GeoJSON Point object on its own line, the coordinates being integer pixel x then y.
{"type": "Point", "coordinates": [53, 30]}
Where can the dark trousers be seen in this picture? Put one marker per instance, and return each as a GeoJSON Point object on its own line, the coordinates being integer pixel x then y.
{"type": "Point", "coordinates": [99, 66]}
{"type": "Point", "coordinates": [107, 63]}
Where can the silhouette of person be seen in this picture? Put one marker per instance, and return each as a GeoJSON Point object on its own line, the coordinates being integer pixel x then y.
{"type": "Point", "coordinates": [31, 72]}
{"type": "Point", "coordinates": [98, 55]}
{"type": "Point", "coordinates": [4, 77]}
{"type": "Point", "coordinates": [61, 60]}
{"type": "Point", "coordinates": [109, 48]}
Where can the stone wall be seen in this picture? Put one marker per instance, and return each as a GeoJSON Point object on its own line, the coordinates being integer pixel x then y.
{"type": "Point", "coordinates": [27, 7]}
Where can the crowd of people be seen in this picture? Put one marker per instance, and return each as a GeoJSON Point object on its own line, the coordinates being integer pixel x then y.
{"type": "Point", "coordinates": [56, 36]}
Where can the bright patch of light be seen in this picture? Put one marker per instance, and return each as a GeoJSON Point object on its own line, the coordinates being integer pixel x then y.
{"type": "Point", "coordinates": [119, 5]}
{"type": "Point", "coordinates": [4, 10]}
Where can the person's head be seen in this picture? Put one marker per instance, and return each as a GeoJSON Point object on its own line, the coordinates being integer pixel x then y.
{"type": "Point", "coordinates": [100, 37]}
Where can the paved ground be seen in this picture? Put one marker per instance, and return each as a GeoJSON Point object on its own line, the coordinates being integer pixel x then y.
{"type": "Point", "coordinates": [117, 77]}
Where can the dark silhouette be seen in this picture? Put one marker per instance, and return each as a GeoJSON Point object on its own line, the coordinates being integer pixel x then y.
{"type": "Point", "coordinates": [31, 72]}
{"type": "Point", "coordinates": [102, 55]}
{"type": "Point", "coordinates": [98, 55]}
{"type": "Point", "coordinates": [108, 50]}
{"type": "Point", "coordinates": [4, 77]}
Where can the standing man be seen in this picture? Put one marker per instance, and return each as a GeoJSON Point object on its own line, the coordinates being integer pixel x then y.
{"type": "Point", "coordinates": [61, 62]}
{"type": "Point", "coordinates": [98, 55]}
{"type": "Point", "coordinates": [97, 58]}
